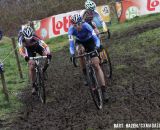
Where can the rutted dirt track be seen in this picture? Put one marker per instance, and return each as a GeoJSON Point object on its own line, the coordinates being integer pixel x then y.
{"type": "Point", "coordinates": [70, 107]}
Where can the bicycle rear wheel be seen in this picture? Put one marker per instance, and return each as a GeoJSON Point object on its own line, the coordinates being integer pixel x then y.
{"type": "Point", "coordinates": [108, 34]}
{"type": "Point", "coordinates": [41, 88]}
{"type": "Point", "coordinates": [106, 64]}
{"type": "Point", "coordinates": [95, 88]}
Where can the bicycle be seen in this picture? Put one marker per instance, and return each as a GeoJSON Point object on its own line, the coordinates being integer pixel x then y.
{"type": "Point", "coordinates": [93, 84]}
{"type": "Point", "coordinates": [105, 59]}
{"type": "Point", "coordinates": [39, 78]}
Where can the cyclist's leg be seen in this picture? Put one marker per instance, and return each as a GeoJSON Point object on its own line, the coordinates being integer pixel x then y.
{"type": "Point", "coordinates": [99, 72]}
{"type": "Point", "coordinates": [32, 71]}
{"type": "Point", "coordinates": [40, 50]}
{"type": "Point", "coordinates": [31, 63]}
{"type": "Point", "coordinates": [80, 50]}
{"type": "Point", "coordinates": [100, 76]}
{"type": "Point", "coordinates": [96, 62]}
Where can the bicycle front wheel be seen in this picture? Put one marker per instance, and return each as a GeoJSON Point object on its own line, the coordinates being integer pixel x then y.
{"type": "Point", "coordinates": [41, 88]}
{"type": "Point", "coordinates": [95, 88]}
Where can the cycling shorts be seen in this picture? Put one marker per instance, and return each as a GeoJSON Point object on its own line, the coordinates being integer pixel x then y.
{"type": "Point", "coordinates": [32, 50]}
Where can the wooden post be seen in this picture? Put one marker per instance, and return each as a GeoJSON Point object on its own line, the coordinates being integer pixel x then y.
{"type": "Point", "coordinates": [17, 58]}
{"type": "Point", "coordinates": [5, 91]}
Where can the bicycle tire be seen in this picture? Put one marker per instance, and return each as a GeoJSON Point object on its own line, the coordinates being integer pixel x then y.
{"type": "Point", "coordinates": [75, 63]}
{"type": "Point", "coordinates": [41, 88]}
{"type": "Point", "coordinates": [94, 87]}
{"type": "Point", "coordinates": [108, 34]}
{"type": "Point", "coordinates": [106, 65]}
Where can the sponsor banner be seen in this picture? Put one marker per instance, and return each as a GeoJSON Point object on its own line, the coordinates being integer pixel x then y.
{"type": "Point", "coordinates": [128, 9]}
{"type": "Point", "coordinates": [58, 24]}
{"type": "Point", "coordinates": [104, 11]}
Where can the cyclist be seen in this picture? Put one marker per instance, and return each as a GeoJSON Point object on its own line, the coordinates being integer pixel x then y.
{"type": "Point", "coordinates": [86, 40]}
{"type": "Point", "coordinates": [29, 44]}
{"type": "Point", "coordinates": [1, 35]}
{"type": "Point", "coordinates": [89, 13]}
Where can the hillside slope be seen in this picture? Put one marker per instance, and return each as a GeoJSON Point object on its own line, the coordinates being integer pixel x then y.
{"type": "Point", "coordinates": [134, 89]}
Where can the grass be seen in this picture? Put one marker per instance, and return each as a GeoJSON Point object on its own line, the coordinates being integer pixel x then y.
{"type": "Point", "coordinates": [57, 43]}
{"type": "Point", "coordinates": [143, 45]}
{"type": "Point", "coordinates": [13, 81]}
{"type": "Point", "coordinates": [134, 22]}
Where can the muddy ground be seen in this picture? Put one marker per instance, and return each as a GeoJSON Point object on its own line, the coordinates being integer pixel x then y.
{"type": "Point", "coordinates": [134, 96]}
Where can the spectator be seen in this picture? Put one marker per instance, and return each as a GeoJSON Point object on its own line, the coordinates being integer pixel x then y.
{"type": "Point", "coordinates": [1, 35]}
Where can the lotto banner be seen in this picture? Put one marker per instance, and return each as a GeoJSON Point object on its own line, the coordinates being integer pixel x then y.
{"type": "Point", "coordinates": [128, 9]}
{"type": "Point", "coordinates": [58, 24]}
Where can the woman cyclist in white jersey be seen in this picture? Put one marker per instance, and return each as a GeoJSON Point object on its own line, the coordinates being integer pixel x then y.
{"type": "Point", "coordinates": [89, 13]}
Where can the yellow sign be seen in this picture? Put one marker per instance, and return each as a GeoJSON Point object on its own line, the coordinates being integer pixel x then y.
{"type": "Point", "coordinates": [104, 11]}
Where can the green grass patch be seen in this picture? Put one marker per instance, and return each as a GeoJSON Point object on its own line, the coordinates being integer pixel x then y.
{"type": "Point", "coordinates": [58, 43]}
{"type": "Point", "coordinates": [13, 81]}
{"type": "Point", "coordinates": [134, 22]}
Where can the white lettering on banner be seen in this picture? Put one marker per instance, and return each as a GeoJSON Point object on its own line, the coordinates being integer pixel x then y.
{"type": "Point", "coordinates": [60, 24]}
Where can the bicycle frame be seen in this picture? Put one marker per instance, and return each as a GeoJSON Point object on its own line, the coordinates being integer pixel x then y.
{"type": "Point", "coordinates": [92, 79]}
{"type": "Point", "coordinates": [39, 78]}
{"type": "Point", "coordinates": [87, 56]}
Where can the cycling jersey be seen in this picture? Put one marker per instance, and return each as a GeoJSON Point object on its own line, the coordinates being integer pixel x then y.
{"type": "Point", "coordinates": [27, 48]}
{"type": "Point", "coordinates": [84, 35]}
{"type": "Point", "coordinates": [88, 16]}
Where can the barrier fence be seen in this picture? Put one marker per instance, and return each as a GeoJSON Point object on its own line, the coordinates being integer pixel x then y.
{"type": "Point", "coordinates": [2, 63]}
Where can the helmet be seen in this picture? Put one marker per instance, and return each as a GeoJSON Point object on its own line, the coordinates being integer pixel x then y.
{"type": "Point", "coordinates": [76, 18]}
{"type": "Point", "coordinates": [90, 5]}
{"type": "Point", "coordinates": [27, 31]}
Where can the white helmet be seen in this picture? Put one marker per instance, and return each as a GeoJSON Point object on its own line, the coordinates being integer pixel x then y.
{"type": "Point", "coordinates": [27, 32]}
{"type": "Point", "coordinates": [90, 5]}
{"type": "Point", "coordinates": [76, 18]}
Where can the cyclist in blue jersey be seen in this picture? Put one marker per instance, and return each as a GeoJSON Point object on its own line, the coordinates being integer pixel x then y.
{"type": "Point", "coordinates": [86, 40]}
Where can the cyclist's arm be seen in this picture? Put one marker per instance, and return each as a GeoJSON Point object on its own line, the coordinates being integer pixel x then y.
{"type": "Point", "coordinates": [83, 14]}
{"type": "Point", "coordinates": [45, 46]}
{"type": "Point", "coordinates": [22, 49]}
{"type": "Point", "coordinates": [95, 38]}
{"type": "Point", "coordinates": [71, 41]}
{"type": "Point", "coordinates": [94, 35]}
{"type": "Point", "coordinates": [102, 22]}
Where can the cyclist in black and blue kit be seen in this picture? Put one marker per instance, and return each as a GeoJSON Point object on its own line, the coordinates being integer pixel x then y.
{"type": "Point", "coordinates": [86, 40]}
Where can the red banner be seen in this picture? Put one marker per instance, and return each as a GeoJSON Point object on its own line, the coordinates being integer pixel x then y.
{"type": "Point", "coordinates": [128, 9]}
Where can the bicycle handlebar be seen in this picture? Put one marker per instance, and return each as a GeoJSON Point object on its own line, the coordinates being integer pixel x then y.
{"type": "Point", "coordinates": [108, 32]}
{"type": "Point", "coordinates": [101, 33]}
{"type": "Point", "coordinates": [85, 54]}
{"type": "Point", "coordinates": [37, 57]}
